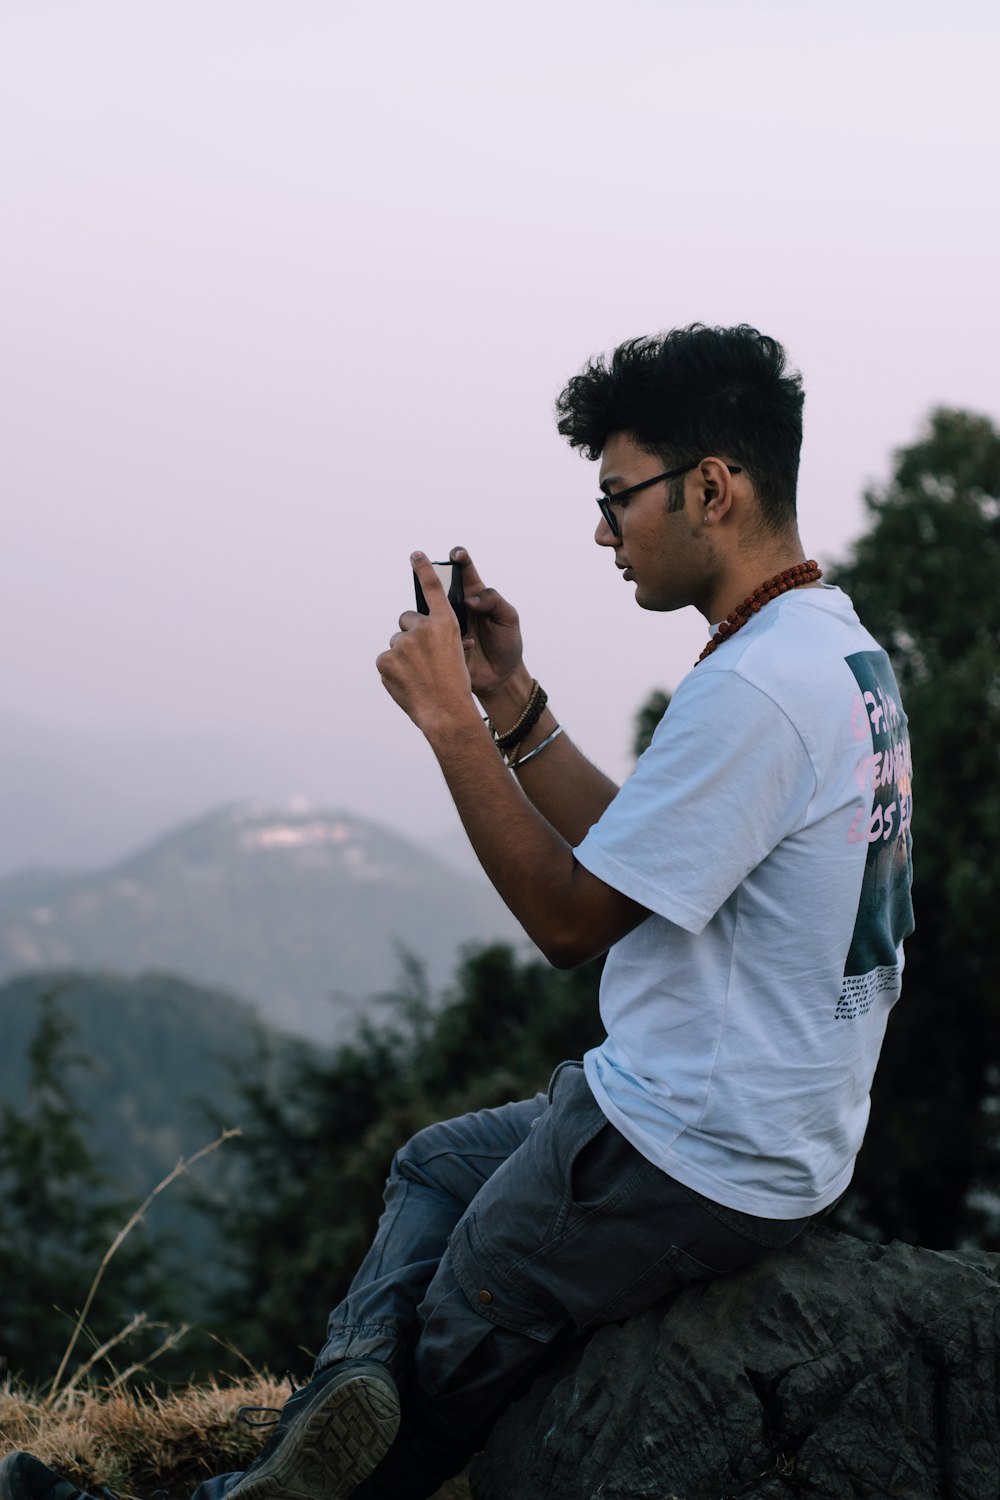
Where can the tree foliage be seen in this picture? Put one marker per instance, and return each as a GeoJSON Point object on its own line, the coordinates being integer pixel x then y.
{"type": "Point", "coordinates": [59, 1215]}
{"type": "Point", "coordinates": [646, 720]}
{"type": "Point", "coordinates": [925, 579]}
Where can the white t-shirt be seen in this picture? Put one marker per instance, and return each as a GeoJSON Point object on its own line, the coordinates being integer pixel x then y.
{"type": "Point", "coordinates": [766, 828]}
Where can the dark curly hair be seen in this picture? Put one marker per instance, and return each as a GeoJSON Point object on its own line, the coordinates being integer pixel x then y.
{"type": "Point", "coordinates": [692, 392]}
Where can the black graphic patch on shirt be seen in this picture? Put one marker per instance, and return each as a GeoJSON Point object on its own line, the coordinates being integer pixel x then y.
{"type": "Point", "coordinates": [885, 910]}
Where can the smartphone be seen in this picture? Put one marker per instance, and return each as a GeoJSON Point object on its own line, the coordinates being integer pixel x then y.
{"type": "Point", "coordinates": [450, 577]}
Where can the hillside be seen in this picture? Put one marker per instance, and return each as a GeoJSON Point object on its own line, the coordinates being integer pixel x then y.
{"type": "Point", "coordinates": [159, 1063]}
{"type": "Point", "coordinates": [303, 911]}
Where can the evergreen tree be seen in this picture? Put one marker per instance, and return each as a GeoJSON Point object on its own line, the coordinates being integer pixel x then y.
{"type": "Point", "coordinates": [647, 718]}
{"type": "Point", "coordinates": [58, 1217]}
{"type": "Point", "coordinates": [925, 579]}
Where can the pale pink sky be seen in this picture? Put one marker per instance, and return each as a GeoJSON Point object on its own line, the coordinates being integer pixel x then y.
{"type": "Point", "coordinates": [288, 289]}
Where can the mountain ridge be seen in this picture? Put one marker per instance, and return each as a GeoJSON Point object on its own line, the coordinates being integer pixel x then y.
{"type": "Point", "coordinates": [303, 910]}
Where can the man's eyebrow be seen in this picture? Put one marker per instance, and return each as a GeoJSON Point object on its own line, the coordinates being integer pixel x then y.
{"type": "Point", "coordinates": [609, 479]}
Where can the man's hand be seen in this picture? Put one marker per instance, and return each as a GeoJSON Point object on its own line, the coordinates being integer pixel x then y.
{"type": "Point", "coordinates": [493, 649]}
{"type": "Point", "coordinates": [424, 669]}
{"type": "Point", "coordinates": [525, 849]}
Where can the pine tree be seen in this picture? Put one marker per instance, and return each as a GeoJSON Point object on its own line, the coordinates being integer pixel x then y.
{"type": "Point", "coordinates": [925, 579]}
{"type": "Point", "coordinates": [59, 1215]}
{"type": "Point", "coordinates": [647, 719]}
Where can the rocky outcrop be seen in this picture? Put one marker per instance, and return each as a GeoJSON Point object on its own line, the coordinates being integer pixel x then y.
{"type": "Point", "coordinates": [833, 1369]}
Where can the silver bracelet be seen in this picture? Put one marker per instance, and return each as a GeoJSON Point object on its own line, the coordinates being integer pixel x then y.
{"type": "Point", "coordinates": [517, 764]}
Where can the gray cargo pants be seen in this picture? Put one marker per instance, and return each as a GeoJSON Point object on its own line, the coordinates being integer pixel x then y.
{"type": "Point", "coordinates": [501, 1229]}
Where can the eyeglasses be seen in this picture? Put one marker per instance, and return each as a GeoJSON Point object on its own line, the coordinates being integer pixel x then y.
{"type": "Point", "coordinates": [605, 502]}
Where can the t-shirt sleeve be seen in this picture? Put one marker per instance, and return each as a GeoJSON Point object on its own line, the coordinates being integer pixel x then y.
{"type": "Point", "coordinates": [725, 779]}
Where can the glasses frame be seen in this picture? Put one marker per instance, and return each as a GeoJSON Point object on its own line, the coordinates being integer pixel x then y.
{"type": "Point", "coordinates": [605, 502]}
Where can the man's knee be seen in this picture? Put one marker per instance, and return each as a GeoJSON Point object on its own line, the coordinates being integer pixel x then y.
{"type": "Point", "coordinates": [457, 1156]}
{"type": "Point", "coordinates": [414, 1161]}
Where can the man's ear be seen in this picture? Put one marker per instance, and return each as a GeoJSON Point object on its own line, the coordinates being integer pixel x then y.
{"type": "Point", "coordinates": [715, 490]}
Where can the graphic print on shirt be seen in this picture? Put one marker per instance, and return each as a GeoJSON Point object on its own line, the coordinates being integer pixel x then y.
{"type": "Point", "coordinates": [884, 768]}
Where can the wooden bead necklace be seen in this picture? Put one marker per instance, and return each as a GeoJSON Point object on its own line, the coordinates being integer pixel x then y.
{"type": "Point", "coordinates": [791, 578]}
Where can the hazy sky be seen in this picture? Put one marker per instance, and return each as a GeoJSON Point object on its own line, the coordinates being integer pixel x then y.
{"type": "Point", "coordinates": [288, 289]}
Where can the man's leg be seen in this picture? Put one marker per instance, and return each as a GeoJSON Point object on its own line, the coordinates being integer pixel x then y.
{"type": "Point", "coordinates": [575, 1230]}
{"type": "Point", "coordinates": [335, 1428]}
{"type": "Point", "coordinates": [432, 1181]}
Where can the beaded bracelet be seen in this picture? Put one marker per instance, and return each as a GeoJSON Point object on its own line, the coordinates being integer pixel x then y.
{"type": "Point", "coordinates": [533, 710]}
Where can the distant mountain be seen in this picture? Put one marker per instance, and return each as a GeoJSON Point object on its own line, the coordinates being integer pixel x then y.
{"type": "Point", "coordinates": [302, 911]}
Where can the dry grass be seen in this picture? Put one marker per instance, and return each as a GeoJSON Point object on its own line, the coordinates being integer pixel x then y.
{"type": "Point", "coordinates": [135, 1442]}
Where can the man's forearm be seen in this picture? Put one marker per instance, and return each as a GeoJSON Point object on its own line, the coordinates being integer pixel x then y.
{"type": "Point", "coordinates": [529, 862]}
{"type": "Point", "coordinates": [567, 789]}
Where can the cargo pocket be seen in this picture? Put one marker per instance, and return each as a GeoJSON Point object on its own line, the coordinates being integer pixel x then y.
{"type": "Point", "coordinates": [493, 1293]}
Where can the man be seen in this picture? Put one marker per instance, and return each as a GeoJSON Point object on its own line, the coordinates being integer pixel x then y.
{"type": "Point", "coordinates": [750, 882]}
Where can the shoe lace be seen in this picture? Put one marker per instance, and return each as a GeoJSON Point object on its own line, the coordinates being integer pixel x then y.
{"type": "Point", "coordinates": [254, 1416]}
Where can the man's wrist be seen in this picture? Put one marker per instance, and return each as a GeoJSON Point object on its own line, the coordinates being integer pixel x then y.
{"type": "Point", "coordinates": [444, 727]}
{"type": "Point", "coordinates": [505, 704]}
{"type": "Point", "coordinates": [532, 728]}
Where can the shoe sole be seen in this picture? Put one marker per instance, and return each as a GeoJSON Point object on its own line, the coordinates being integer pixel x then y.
{"type": "Point", "coordinates": [332, 1448]}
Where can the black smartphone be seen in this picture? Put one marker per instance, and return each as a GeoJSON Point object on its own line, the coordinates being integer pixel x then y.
{"type": "Point", "coordinates": [450, 577]}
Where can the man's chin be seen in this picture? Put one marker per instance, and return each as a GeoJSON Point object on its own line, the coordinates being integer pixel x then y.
{"type": "Point", "coordinates": [654, 604]}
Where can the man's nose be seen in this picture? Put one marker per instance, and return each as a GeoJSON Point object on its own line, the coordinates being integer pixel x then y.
{"type": "Point", "coordinates": [604, 536]}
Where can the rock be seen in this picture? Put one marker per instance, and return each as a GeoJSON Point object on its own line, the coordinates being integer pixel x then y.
{"type": "Point", "coordinates": [833, 1369]}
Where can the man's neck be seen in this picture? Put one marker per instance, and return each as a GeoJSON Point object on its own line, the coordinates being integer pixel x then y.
{"type": "Point", "coordinates": [748, 571]}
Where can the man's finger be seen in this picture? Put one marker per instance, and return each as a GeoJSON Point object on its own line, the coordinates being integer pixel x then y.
{"type": "Point", "coordinates": [471, 581]}
{"type": "Point", "coordinates": [430, 583]}
{"type": "Point", "coordinates": [486, 602]}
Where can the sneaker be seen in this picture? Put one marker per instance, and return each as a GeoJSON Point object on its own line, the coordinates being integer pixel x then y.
{"type": "Point", "coordinates": [24, 1477]}
{"type": "Point", "coordinates": [331, 1435]}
